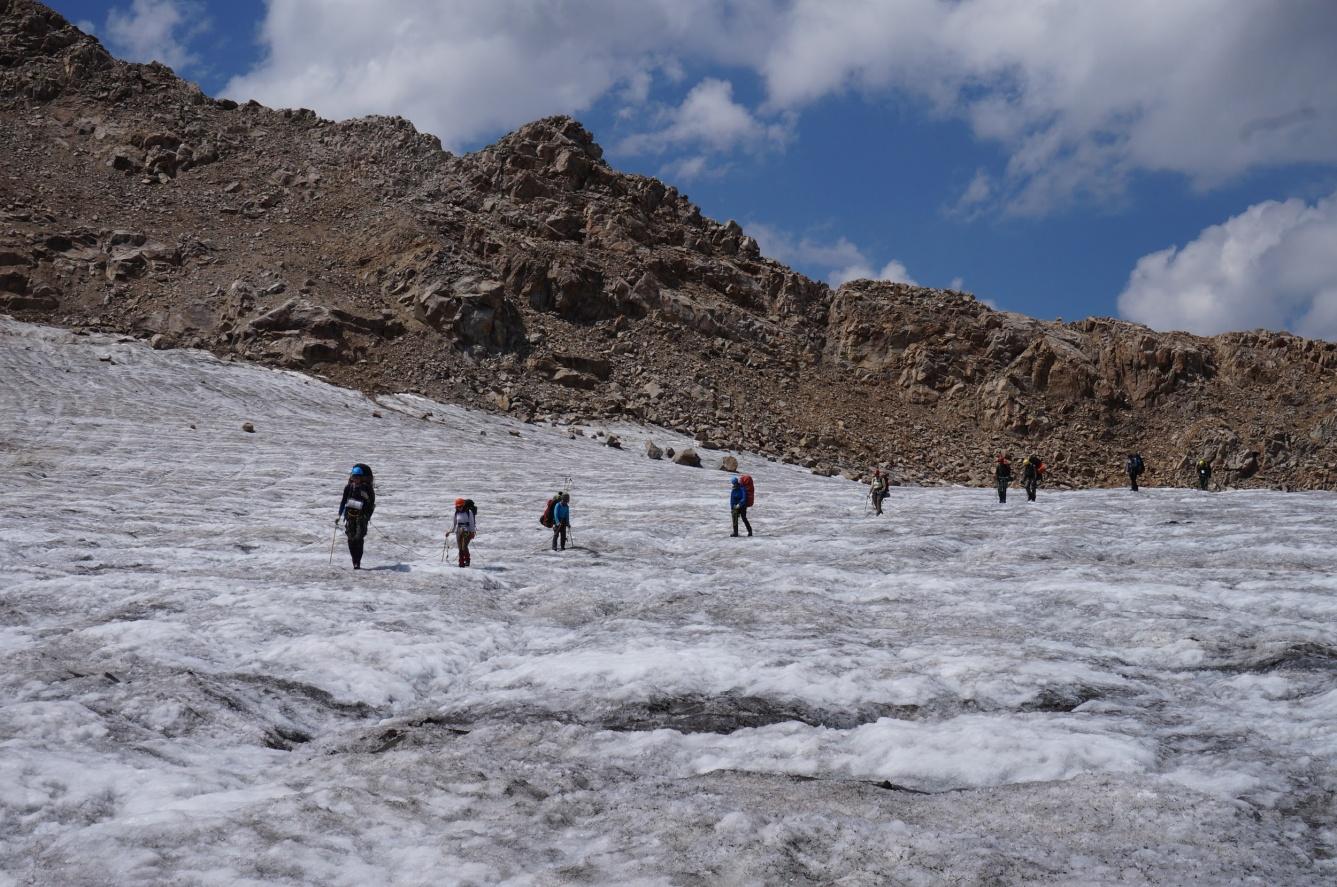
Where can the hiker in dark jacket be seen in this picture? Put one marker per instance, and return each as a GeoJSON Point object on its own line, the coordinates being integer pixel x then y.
{"type": "Point", "coordinates": [1002, 476]}
{"type": "Point", "coordinates": [1031, 471]}
{"type": "Point", "coordinates": [356, 507]}
{"type": "Point", "coordinates": [1134, 466]}
{"type": "Point", "coordinates": [878, 490]}
{"type": "Point", "coordinates": [1204, 473]}
{"type": "Point", "coordinates": [561, 519]}
{"type": "Point", "coordinates": [738, 506]}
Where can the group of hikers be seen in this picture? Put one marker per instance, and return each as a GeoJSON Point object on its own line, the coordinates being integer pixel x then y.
{"type": "Point", "coordinates": [359, 502]}
{"type": "Point", "coordinates": [1033, 471]}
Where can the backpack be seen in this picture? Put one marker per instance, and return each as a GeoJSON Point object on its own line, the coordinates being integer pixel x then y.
{"type": "Point", "coordinates": [547, 520]}
{"type": "Point", "coordinates": [366, 472]}
{"type": "Point", "coordinates": [470, 507]}
{"type": "Point", "coordinates": [746, 481]}
{"type": "Point", "coordinates": [1137, 464]}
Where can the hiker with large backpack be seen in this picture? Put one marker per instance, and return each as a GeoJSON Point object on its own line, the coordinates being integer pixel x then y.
{"type": "Point", "coordinates": [465, 527]}
{"type": "Point", "coordinates": [1135, 467]}
{"type": "Point", "coordinates": [741, 495]}
{"type": "Point", "coordinates": [1002, 476]}
{"type": "Point", "coordinates": [878, 490]}
{"type": "Point", "coordinates": [355, 508]}
{"type": "Point", "coordinates": [561, 519]}
{"type": "Point", "coordinates": [1032, 472]}
{"type": "Point", "coordinates": [1204, 473]}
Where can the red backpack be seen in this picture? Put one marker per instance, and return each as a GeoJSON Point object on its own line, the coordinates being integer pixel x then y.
{"type": "Point", "coordinates": [746, 481]}
{"type": "Point", "coordinates": [547, 520]}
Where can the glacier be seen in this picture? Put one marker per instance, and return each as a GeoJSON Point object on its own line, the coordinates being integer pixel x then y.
{"type": "Point", "coordinates": [1097, 688]}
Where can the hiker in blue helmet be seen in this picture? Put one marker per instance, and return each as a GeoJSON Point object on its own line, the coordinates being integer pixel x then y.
{"type": "Point", "coordinates": [738, 506]}
{"type": "Point", "coordinates": [356, 507]}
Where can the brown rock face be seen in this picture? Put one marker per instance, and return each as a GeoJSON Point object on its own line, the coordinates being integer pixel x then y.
{"type": "Point", "coordinates": [532, 278]}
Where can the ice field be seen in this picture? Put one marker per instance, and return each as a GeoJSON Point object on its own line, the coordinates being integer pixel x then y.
{"type": "Point", "coordinates": [1098, 688]}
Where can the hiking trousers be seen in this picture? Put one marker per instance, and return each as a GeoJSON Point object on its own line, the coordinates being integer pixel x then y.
{"type": "Point", "coordinates": [559, 534]}
{"type": "Point", "coordinates": [355, 528]}
{"type": "Point", "coordinates": [1203, 481]}
{"type": "Point", "coordinates": [879, 496]}
{"type": "Point", "coordinates": [1030, 489]}
{"type": "Point", "coordinates": [1002, 491]}
{"type": "Point", "coordinates": [1132, 480]}
{"type": "Point", "coordinates": [463, 537]}
{"type": "Point", "coordinates": [740, 513]}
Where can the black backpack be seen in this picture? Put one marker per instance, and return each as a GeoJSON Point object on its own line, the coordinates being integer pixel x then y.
{"type": "Point", "coordinates": [470, 507]}
{"type": "Point", "coordinates": [1138, 467]}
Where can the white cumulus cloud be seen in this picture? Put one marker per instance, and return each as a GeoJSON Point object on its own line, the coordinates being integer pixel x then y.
{"type": "Point", "coordinates": [710, 117]}
{"type": "Point", "coordinates": [157, 30]}
{"type": "Point", "coordinates": [465, 69]}
{"type": "Point", "coordinates": [1273, 266]}
{"type": "Point", "coordinates": [1082, 94]}
{"type": "Point", "coordinates": [841, 260]}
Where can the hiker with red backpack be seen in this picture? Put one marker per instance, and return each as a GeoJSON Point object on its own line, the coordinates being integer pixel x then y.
{"type": "Point", "coordinates": [561, 519]}
{"type": "Point", "coordinates": [465, 527]}
{"type": "Point", "coordinates": [740, 499]}
{"type": "Point", "coordinates": [355, 508]}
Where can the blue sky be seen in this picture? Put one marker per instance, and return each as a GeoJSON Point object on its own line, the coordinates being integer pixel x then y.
{"type": "Point", "coordinates": [1173, 166]}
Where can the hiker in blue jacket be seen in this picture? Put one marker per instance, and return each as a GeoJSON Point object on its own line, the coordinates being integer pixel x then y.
{"type": "Point", "coordinates": [738, 506]}
{"type": "Point", "coordinates": [561, 519]}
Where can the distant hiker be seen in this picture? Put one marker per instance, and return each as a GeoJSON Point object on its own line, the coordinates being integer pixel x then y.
{"type": "Point", "coordinates": [1204, 473]}
{"type": "Point", "coordinates": [1134, 466]}
{"type": "Point", "coordinates": [738, 503]}
{"type": "Point", "coordinates": [356, 506]}
{"type": "Point", "coordinates": [561, 519]}
{"type": "Point", "coordinates": [465, 527]}
{"type": "Point", "coordinates": [879, 490]}
{"type": "Point", "coordinates": [1002, 476]}
{"type": "Point", "coordinates": [1032, 472]}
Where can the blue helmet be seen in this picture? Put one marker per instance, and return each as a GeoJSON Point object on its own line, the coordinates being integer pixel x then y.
{"type": "Point", "coordinates": [736, 481]}
{"type": "Point", "coordinates": [357, 471]}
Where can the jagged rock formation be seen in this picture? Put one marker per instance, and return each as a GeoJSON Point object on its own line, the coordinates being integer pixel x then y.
{"type": "Point", "coordinates": [531, 277]}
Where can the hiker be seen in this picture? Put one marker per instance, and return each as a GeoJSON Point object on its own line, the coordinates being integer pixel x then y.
{"type": "Point", "coordinates": [1002, 476]}
{"type": "Point", "coordinates": [355, 508]}
{"type": "Point", "coordinates": [738, 503]}
{"type": "Point", "coordinates": [1032, 472]}
{"type": "Point", "coordinates": [1204, 473]}
{"type": "Point", "coordinates": [561, 519]}
{"type": "Point", "coordinates": [465, 527]}
{"type": "Point", "coordinates": [1134, 466]}
{"type": "Point", "coordinates": [879, 490]}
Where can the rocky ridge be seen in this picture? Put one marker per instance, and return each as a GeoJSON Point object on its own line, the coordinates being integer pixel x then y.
{"type": "Point", "coordinates": [532, 278]}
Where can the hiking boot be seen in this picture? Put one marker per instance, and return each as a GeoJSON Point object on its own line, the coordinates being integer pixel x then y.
{"type": "Point", "coordinates": [734, 533]}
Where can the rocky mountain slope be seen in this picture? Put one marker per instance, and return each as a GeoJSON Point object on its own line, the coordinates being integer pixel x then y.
{"type": "Point", "coordinates": [534, 279]}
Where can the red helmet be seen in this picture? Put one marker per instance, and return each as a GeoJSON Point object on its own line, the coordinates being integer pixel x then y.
{"type": "Point", "coordinates": [459, 503]}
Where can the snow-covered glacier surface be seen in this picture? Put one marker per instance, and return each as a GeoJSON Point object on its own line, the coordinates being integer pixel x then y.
{"type": "Point", "coordinates": [1099, 688]}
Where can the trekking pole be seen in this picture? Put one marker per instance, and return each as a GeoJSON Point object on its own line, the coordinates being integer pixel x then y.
{"type": "Point", "coordinates": [444, 546]}
{"type": "Point", "coordinates": [334, 539]}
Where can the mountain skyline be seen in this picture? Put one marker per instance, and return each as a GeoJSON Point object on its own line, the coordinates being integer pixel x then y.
{"type": "Point", "coordinates": [1057, 162]}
